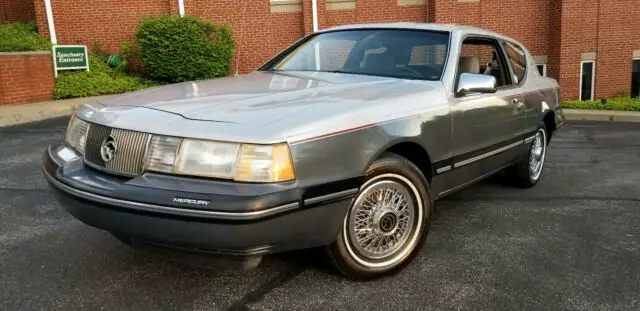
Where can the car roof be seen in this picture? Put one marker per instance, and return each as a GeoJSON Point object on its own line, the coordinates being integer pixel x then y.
{"type": "Point", "coordinates": [464, 29]}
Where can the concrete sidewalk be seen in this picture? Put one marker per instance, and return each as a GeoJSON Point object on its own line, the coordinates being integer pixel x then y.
{"type": "Point", "coordinates": [20, 114]}
{"type": "Point", "coordinates": [26, 113]}
{"type": "Point", "coordinates": [601, 115]}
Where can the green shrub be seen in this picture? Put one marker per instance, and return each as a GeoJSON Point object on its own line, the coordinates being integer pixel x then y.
{"type": "Point", "coordinates": [101, 80]}
{"type": "Point", "coordinates": [126, 53]}
{"type": "Point", "coordinates": [176, 49]}
{"type": "Point", "coordinates": [620, 103]}
{"type": "Point", "coordinates": [18, 37]}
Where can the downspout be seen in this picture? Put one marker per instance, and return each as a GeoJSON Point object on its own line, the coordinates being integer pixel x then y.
{"type": "Point", "coordinates": [181, 7]}
{"type": "Point", "coordinates": [52, 27]}
{"type": "Point", "coordinates": [314, 13]}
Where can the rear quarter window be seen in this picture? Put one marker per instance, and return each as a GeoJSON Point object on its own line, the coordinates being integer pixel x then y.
{"type": "Point", "coordinates": [518, 61]}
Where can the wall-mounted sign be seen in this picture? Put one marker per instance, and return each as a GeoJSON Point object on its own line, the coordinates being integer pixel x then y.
{"type": "Point", "coordinates": [68, 57]}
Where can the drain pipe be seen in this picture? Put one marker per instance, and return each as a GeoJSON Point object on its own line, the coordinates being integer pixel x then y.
{"type": "Point", "coordinates": [181, 7]}
{"type": "Point", "coordinates": [314, 13]}
{"type": "Point", "coordinates": [52, 27]}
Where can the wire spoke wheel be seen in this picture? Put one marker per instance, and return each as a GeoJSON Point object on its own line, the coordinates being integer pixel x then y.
{"type": "Point", "coordinates": [384, 221]}
{"type": "Point", "coordinates": [537, 154]}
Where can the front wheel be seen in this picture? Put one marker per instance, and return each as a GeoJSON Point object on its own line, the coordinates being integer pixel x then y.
{"type": "Point", "coordinates": [528, 171]}
{"type": "Point", "coordinates": [387, 221]}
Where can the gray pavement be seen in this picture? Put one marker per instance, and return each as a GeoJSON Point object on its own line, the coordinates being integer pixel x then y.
{"type": "Point", "coordinates": [571, 243]}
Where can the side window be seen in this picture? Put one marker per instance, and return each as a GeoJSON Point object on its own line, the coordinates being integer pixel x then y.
{"type": "Point", "coordinates": [483, 56]}
{"type": "Point", "coordinates": [518, 62]}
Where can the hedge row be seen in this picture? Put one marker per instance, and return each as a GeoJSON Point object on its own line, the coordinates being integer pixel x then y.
{"type": "Point", "coordinates": [20, 37]}
{"type": "Point", "coordinates": [100, 80]}
{"type": "Point", "coordinates": [624, 103]}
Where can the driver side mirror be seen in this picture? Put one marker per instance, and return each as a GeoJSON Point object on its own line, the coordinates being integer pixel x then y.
{"type": "Point", "coordinates": [469, 83]}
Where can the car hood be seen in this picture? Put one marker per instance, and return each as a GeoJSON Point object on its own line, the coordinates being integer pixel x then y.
{"type": "Point", "coordinates": [262, 98]}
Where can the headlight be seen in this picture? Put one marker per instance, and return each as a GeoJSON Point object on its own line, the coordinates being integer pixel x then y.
{"type": "Point", "coordinates": [259, 163]}
{"type": "Point", "coordinates": [77, 134]}
{"type": "Point", "coordinates": [233, 161]}
{"type": "Point", "coordinates": [206, 158]}
{"type": "Point", "coordinates": [161, 156]}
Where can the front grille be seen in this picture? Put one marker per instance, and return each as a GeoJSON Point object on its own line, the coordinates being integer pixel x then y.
{"type": "Point", "coordinates": [128, 160]}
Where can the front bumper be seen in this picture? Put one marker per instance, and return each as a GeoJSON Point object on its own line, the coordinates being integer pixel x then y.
{"type": "Point", "coordinates": [240, 219]}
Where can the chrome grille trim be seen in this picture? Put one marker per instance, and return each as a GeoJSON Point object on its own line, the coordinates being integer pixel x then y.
{"type": "Point", "coordinates": [96, 135]}
{"type": "Point", "coordinates": [130, 156]}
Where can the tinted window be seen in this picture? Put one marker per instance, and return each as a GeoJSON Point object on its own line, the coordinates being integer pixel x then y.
{"type": "Point", "coordinates": [635, 79]}
{"type": "Point", "coordinates": [390, 53]}
{"type": "Point", "coordinates": [586, 89]}
{"type": "Point", "coordinates": [518, 61]}
{"type": "Point", "coordinates": [541, 70]}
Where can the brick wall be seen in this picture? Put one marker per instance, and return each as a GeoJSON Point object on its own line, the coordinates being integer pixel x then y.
{"type": "Point", "coordinates": [524, 20]}
{"type": "Point", "coordinates": [618, 36]}
{"type": "Point", "coordinates": [16, 11]}
{"type": "Point", "coordinates": [578, 35]}
{"type": "Point", "coordinates": [606, 27]}
{"type": "Point", "coordinates": [106, 21]}
{"type": "Point", "coordinates": [374, 11]}
{"type": "Point", "coordinates": [25, 77]}
{"type": "Point", "coordinates": [556, 30]}
{"type": "Point", "coordinates": [259, 34]}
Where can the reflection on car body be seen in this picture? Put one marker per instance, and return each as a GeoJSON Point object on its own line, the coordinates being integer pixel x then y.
{"type": "Point", "coordinates": [344, 140]}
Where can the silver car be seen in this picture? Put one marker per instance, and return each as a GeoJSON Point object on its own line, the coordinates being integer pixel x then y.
{"type": "Point", "coordinates": [342, 141]}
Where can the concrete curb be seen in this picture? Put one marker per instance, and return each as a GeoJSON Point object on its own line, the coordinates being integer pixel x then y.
{"type": "Point", "coordinates": [601, 115]}
{"type": "Point", "coordinates": [19, 114]}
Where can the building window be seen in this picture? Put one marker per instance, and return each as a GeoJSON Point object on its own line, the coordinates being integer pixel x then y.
{"type": "Point", "coordinates": [635, 78]}
{"type": "Point", "coordinates": [587, 79]}
{"type": "Point", "coordinates": [542, 69]}
{"type": "Point", "coordinates": [285, 6]}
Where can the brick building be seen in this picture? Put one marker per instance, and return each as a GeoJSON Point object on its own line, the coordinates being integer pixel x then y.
{"type": "Point", "coordinates": [16, 11]}
{"type": "Point", "coordinates": [592, 47]}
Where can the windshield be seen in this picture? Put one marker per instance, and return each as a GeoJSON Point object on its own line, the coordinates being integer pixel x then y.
{"type": "Point", "coordinates": [407, 54]}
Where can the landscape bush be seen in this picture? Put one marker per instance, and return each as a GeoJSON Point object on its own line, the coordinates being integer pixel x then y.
{"type": "Point", "coordinates": [22, 36]}
{"type": "Point", "coordinates": [100, 80]}
{"type": "Point", "coordinates": [619, 103]}
{"type": "Point", "coordinates": [177, 49]}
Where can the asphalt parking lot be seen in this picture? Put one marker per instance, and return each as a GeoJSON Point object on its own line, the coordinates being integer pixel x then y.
{"type": "Point", "coordinates": [571, 243]}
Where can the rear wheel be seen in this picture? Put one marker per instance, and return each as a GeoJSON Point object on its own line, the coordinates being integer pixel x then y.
{"type": "Point", "coordinates": [528, 171]}
{"type": "Point", "coordinates": [387, 221]}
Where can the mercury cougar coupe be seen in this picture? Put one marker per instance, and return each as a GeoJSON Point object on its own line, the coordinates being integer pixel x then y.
{"type": "Point", "coordinates": [342, 141]}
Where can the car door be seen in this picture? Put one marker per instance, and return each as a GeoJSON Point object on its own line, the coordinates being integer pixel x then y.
{"type": "Point", "coordinates": [517, 61]}
{"type": "Point", "coordinates": [484, 125]}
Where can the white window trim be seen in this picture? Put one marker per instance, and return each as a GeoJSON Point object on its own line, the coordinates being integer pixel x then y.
{"type": "Point", "coordinates": [593, 78]}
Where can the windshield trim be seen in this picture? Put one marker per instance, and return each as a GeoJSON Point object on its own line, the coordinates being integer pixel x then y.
{"type": "Point", "coordinates": [269, 65]}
